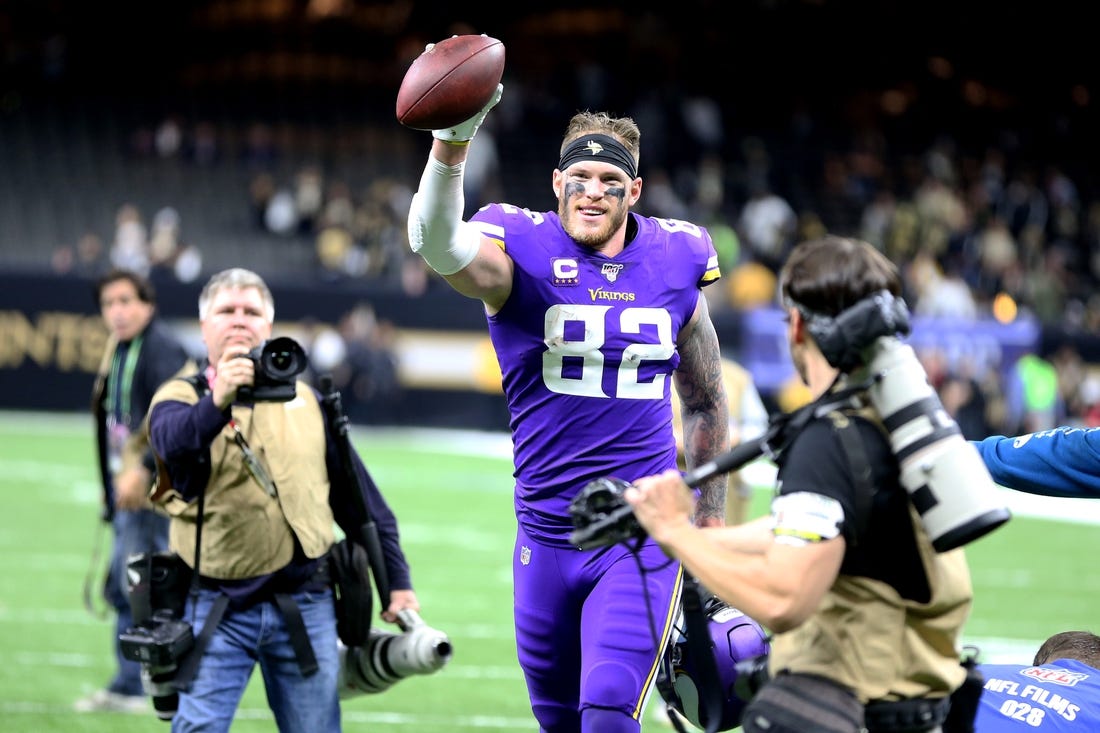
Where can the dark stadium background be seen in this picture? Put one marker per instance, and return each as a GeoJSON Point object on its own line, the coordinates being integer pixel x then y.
{"type": "Point", "coordinates": [80, 81]}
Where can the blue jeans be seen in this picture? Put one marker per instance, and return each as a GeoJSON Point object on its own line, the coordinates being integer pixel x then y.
{"type": "Point", "coordinates": [259, 633]}
{"type": "Point", "coordinates": [134, 532]}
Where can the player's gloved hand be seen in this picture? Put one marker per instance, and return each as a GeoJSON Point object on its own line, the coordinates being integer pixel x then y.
{"type": "Point", "coordinates": [465, 131]}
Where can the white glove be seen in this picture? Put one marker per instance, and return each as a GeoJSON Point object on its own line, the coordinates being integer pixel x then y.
{"type": "Point", "coordinates": [464, 132]}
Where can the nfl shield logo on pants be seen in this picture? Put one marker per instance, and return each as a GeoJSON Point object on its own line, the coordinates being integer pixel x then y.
{"type": "Point", "coordinates": [525, 555]}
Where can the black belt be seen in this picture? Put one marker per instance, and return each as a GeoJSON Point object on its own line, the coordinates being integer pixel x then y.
{"type": "Point", "coordinates": [905, 716]}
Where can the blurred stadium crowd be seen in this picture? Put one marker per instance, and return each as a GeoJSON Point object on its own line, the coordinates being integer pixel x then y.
{"type": "Point", "coordinates": [180, 138]}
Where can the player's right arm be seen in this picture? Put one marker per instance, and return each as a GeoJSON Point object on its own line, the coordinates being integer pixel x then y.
{"type": "Point", "coordinates": [472, 263]}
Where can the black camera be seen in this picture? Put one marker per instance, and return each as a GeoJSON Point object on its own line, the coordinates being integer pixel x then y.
{"type": "Point", "coordinates": [278, 362]}
{"type": "Point", "coordinates": [601, 517]}
{"type": "Point", "coordinates": [159, 643]}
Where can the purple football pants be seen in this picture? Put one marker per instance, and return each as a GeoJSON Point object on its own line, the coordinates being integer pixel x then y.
{"type": "Point", "coordinates": [589, 631]}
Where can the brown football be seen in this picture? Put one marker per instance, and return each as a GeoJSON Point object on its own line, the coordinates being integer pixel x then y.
{"type": "Point", "coordinates": [450, 82]}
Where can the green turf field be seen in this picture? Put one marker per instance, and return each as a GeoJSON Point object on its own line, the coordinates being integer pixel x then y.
{"type": "Point", "coordinates": [452, 494]}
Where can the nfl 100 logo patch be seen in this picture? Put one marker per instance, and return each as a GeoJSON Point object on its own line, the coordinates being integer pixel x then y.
{"type": "Point", "coordinates": [611, 270]}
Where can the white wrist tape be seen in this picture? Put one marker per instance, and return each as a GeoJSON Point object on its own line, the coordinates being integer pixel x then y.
{"type": "Point", "coordinates": [436, 230]}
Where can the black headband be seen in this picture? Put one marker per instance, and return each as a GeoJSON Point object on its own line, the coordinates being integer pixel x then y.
{"type": "Point", "coordinates": [601, 148]}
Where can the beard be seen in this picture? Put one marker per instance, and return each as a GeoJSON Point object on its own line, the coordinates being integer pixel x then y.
{"type": "Point", "coordinates": [593, 237]}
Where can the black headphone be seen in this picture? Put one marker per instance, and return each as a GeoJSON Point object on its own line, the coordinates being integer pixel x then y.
{"type": "Point", "coordinates": [843, 337]}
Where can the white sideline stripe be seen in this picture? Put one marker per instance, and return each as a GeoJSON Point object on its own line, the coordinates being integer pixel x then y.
{"type": "Point", "coordinates": [1077, 511]}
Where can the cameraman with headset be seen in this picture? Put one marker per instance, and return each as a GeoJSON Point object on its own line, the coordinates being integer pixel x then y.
{"type": "Point", "coordinates": [267, 478]}
{"type": "Point", "coordinates": [867, 616]}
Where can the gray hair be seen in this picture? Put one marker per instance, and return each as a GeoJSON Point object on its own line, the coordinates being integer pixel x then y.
{"type": "Point", "coordinates": [236, 278]}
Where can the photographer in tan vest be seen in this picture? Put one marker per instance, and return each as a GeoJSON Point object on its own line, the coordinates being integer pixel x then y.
{"type": "Point", "coordinates": [258, 462]}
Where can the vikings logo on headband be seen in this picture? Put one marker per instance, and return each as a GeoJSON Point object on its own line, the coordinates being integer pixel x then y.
{"type": "Point", "coordinates": [602, 149]}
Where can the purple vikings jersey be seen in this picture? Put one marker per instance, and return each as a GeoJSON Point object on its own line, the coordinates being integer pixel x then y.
{"type": "Point", "coordinates": [587, 346]}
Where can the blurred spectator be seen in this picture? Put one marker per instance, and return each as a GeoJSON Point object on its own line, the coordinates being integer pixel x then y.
{"type": "Point", "coordinates": [839, 202]}
{"type": "Point", "coordinates": [164, 238]}
{"type": "Point", "coordinates": [62, 259]}
{"type": "Point", "coordinates": [767, 225]}
{"type": "Point", "coordinates": [339, 208]}
{"type": "Point", "coordinates": [309, 198]}
{"type": "Point", "coordinates": [1033, 399]}
{"type": "Point", "coordinates": [702, 118]}
{"type": "Point", "coordinates": [280, 214]}
{"type": "Point", "coordinates": [939, 294]}
{"type": "Point", "coordinates": [188, 265]}
{"type": "Point", "coordinates": [1023, 204]}
{"type": "Point", "coordinates": [415, 275]}
{"type": "Point", "coordinates": [1073, 379]}
{"type": "Point", "coordinates": [750, 285]}
{"type": "Point", "coordinates": [338, 256]}
{"type": "Point", "coordinates": [660, 196]}
{"type": "Point", "coordinates": [380, 222]}
{"type": "Point", "coordinates": [373, 390]}
{"type": "Point", "coordinates": [998, 254]}
{"type": "Point", "coordinates": [260, 150]}
{"type": "Point", "coordinates": [168, 138]}
{"type": "Point", "coordinates": [130, 248]}
{"type": "Point", "coordinates": [942, 212]}
{"type": "Point", "coordinates": [1049, 284]}
{"type": "Point", "coordinates": [205, 148]}
{"type": "Point", "coordinates": [327, 350]}
{"type": "Point", "coordinates": [261, 189]}
{"type": "Point", "coordinates": [88, 259]}
{"type": "Point", "coordinates": [963, 400]}
{"type": "Point", "coordinates": [876, 218]}
{"type": "Point", "coordinates": [171, 258]}
{"type": "Point", "coordinates": [91, 256]}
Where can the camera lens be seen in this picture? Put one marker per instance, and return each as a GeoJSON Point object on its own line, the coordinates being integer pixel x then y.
{"type": "Point", "coordinates": [283, 358]}
{"type": "Point", "coordinates": [166, 705]}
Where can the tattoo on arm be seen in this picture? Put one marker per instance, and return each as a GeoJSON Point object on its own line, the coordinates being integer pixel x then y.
{"type": "Point", "coordinates": [705, 408]}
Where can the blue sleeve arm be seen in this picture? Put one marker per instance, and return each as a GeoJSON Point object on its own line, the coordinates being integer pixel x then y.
{"type": "Point", "coordinates": [181, 435]}
{"type": "Point", "coordinates": [1063, 462]}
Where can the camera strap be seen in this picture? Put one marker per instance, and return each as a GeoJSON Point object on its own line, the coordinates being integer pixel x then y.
{"type": "Point", "coordinates": [366, 533]}
{"type": "Point", "coordinates": [91, 575]}
{"type": "Point", "coordinates": [299, 638]}
{"type": "Point", "coordinates": [698, 641]}
{"type": "Point", "coordinates": [189, 665]}
{"type": "Point", "coordinates": [252, 462]}
{"type": "Point", "coordinates": [860, 467]}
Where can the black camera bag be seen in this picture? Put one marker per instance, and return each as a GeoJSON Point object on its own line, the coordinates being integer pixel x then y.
{"type": "Point", "coordinates": [349, 570]}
